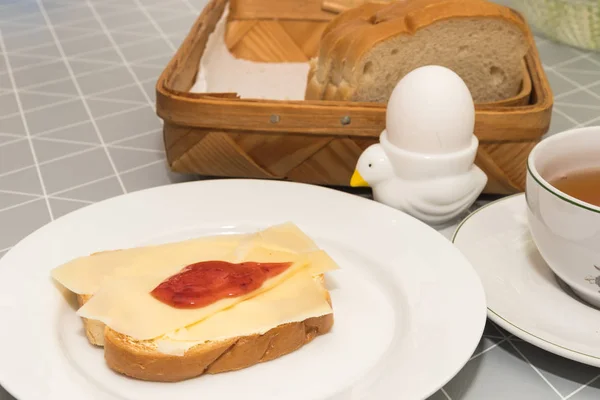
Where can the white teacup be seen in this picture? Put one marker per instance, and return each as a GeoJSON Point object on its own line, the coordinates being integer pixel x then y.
{"type": "Point", "coordinates": [566, 230]}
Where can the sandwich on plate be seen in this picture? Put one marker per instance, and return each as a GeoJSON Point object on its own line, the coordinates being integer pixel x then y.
{"type": "Point", "coordinates": [202, 306]}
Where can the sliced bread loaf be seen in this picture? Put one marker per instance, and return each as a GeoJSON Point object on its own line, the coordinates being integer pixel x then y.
{"type": "Point", "coordinates": [365, 51]}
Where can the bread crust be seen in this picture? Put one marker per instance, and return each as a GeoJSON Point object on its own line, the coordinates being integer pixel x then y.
{"type": "Point", "coordinates": [94, 330]}
{"type": "Point", "coordinates": [336, 30]}
{"type": "Point", "coordinates": [142, 360]}
{"type": "Point", "coordinates": [342, 54]}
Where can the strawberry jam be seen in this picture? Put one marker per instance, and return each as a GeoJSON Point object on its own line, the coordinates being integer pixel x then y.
{"type": "Point", "coordinates": [204, 283]}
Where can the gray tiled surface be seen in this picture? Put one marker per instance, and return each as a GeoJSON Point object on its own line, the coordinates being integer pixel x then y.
{"type": "Point", "coordinates": [77, 125]}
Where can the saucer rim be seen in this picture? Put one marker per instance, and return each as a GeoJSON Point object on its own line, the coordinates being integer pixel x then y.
{"type": "Point", "coordinates": [514, 329]}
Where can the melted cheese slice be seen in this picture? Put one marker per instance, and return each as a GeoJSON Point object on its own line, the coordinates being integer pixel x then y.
{"type": "Point", "coordinates": [298, 298]}
{"type": "Point", "coordinates": [121, 282]}
{"type": "Point", "coordinates": [126, 305]}
{"type": "Point", "coordinates": [85, 275]}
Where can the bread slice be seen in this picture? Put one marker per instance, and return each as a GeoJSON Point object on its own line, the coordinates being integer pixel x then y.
{"type": "Point", "coordinates": [367, 50]}
{"type": "Point", "coordinates": [142, 359]}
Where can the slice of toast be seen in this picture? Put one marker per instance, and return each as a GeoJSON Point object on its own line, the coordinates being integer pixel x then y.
{"type": "Point", "coordinates": [142, 359]}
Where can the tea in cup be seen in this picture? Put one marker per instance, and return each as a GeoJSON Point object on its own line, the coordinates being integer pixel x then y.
{"type": "Point", "coordinates": [563, 202]}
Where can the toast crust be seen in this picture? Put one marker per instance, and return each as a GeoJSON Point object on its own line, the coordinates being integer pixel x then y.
{"type": "Point", "coordinates": [94, 330]}
{"type": "Point", "coordinates": [142, 360]}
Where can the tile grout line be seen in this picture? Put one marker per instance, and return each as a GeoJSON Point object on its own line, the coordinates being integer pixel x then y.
{"type": "Point", "coordinates": [36, 65]}
{"type": "Point", "coordinates": [114, 145]}
{"type": "Point", "coordinates": [584, 88]}
{"type": "Point", "coordinates": [46, 16]}
{"type": "Point", "coordinates": [474, 356]}
{"type": "Point", "coordinates": [119, 147]}
{"type": "Point", "coordinates": [576, 89]}
{"type": "Point", "coordinates": [78, 153]}
{"type": "Point", "coordinates": [23, 203]}
{"type": "Point", "coordinates": [74, 154]}
{"type": "Point", "coordinates": [119, 51]}
{"type": "Point", "coordinates": [74, 124]}
{"type": "Point", "coordinates": [116, 142]}
{"type": "Point", "coordinates": [593, 120]}
{"type": "Point", "coordinates": [14, 171]}
{"type": "Point", "coordinates": [72, 200]}
{"type": "Point", "coordinates": [74, 97]}
{"type": "Point", "coordinates": [559, 103]}
{"type": "Point", "coordinates": [126, 171]}
{"type": "Point", "coordinates": [589, 56]}
{"type": "Point", "coordinates": [142, 62]}
{"type": "Point", "coordinates": [99, 94]}
{"type": "Point", "coordinates": [39, 108]}
{"type": "Point", "coordinates": [509, 340]}
{"type": "Point", "coordinates": [191, 6]}
{"type": "Point", "coordinates": [155, 24]}
{"type": "Point", "coordinates": [588, 383]}
{"type": "Point", "coordinates": [135, 105]}
{"type": "Point", "coordinates": [568, 92]}
{"type": "Point", "coordinates": [78, 88]}
{"type": "Point", "coordinates": [47, 60]}
{"type": "Point", "coordinates": [566, 62]}
{"type": "Point", "coordinates": [16, 140]}
{"type": "Point", "coordinates": [536, 370]}
{"type": "Point", "coordinates": [564, 114]}
{"type": "Point", "coordinates": [41, 135]}
{"type": "Point", "coordinates": [84, 74]}
{"type": "Point", "coordinates": [83, 122]}
{"type": "Point", "coordinates": [445, 394]}
{"type": "Point", "coordinates": [26, 127]}
{"type": "Point", "coordinates": [91, 147]}
{"type": "Point", "coordinates": [83, 53]}
{"type": "Point", "coordinates": [21, 193]}
{"type": "Point", "coordinates": [38, 46]}
{"type": "Point", "coordinates": [108, 68]}
{"type": "Point", "coordinates": [106, 177]}
{"type": "Point", "coordinates": [89, 31]}
{"type": "Point", "coordinates": [583, 71]}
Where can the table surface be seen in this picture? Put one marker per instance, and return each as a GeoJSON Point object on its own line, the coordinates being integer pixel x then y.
{"type": "Point", "coordinates": [77, 126]}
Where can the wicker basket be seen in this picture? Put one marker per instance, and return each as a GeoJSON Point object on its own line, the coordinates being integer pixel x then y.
{"type": "Point", "coordinates": [318, 142]}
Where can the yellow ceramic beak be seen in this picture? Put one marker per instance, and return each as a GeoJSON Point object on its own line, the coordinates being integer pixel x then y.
{"type": "Point", "coordinates": [357, 180]}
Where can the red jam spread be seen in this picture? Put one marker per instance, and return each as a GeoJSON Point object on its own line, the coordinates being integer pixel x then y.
{"type": "Point", "coordinates": [204, 283]}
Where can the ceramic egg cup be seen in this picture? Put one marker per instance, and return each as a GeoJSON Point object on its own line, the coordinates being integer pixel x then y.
{"type": "Point", "coordinates": [424, 161]}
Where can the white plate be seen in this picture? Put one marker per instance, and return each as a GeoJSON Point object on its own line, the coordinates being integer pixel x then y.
{"type": "Point", "coordinates": [409, 308]}
{"type": "Point", "coordinates": [523, 294]}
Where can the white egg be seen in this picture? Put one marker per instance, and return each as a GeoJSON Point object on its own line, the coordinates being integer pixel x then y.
{"type": "Point", "coordinates": [430, 111]}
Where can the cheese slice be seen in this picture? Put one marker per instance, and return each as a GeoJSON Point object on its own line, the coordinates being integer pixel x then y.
{"type": "Point", "coordinates": [296, 299]}
{"type": "Point", "coordinates": [126, 305]}
{"type": "Point", "coordinates": [85, 275]}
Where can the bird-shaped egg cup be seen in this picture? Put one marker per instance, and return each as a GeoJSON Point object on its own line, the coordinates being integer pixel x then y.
{"type": "Point", "coordinates": [424, 161]}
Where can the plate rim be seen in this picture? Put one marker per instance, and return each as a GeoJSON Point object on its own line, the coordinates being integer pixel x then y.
{"type": "Point", "coordinates": [477, 317]}
{"type": "Point", "coordinates": [513, 328]}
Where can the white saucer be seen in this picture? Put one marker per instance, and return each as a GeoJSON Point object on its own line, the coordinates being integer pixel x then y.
{"type": "Point", "coordinates": [523, 294]}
